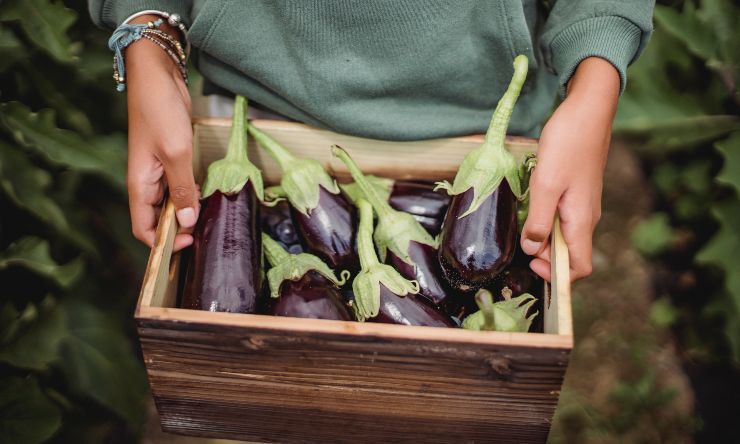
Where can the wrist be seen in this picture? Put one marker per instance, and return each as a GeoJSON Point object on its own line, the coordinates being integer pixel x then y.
{"type": "Point", "coordinates": [596, 81]}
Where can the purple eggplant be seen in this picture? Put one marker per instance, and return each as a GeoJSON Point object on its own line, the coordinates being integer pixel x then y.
{"type": "Point", "coordinates": [276, 221]}
{"type": "Point", "coordinates": [303, 286]}
{"type": "Point", "coordinates": [418, 199]}
{"type": "Point", "coordinates": [225, 272]}
{"type": "Point", "coordinates": [381, 293]}
{"type": "Point", "coordinates": [401, 240]}
{"type": "Point", "coordinates": [509, 315]}
{"type": "Point", "coordinates": [479, 231]}
{"type": "Point", "coordinates": [325, 221]}
{"type": "Point", "coordinates": [489, 237]}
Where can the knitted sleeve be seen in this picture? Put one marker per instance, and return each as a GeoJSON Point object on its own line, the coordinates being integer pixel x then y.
{"type": "Point", "coordinates": [111, 13]}
{"type": "Point", "coordinates": [616, 31]}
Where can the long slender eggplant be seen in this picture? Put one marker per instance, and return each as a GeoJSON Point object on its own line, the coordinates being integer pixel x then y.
{"type": "Point", "coordinates": [401, 240]}
{"type": "Point", "coordinates": [324, 219]}
{"type": "Point", "coordinates": [302, 285]}
{"type": "Point", "coordinates": [381, 293]}
{"type": "Point", "coordinates": [509, 315]}
{"type": "Point", "coordinates": [418, 199]}
{"type": "Point", "coordinates": [225, 272]}
{"type": "Point", "coordinates": [479, 231]}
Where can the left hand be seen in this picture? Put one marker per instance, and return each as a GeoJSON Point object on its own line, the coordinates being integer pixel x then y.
{"type": "Point", "coordinates": [570, 168]}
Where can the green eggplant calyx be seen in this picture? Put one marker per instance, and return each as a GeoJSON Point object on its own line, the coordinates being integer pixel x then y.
{"type": "Point", "coordinates": [275, 192]}
{"type": "Point", "coordinates": [395, 231]}
{"type": "Point", "coordinates": [230, 174]}
{"type": "Point", "coordinates": [395, 228]}
{"type": "Point", "coordinates": [301, 177]}
{"type": "Point", "coordinates": [525, 173]}
{"type": "Point", "coordinates": [287, 266]}
{"type": "Point", "coordinates": [509, 315]}
{"type": "Point", "coordinates": [366, 285]}
{"type": "Point", "coordinates": [484, 168]}
{"type": "Point", "coordinates": [382, 185]}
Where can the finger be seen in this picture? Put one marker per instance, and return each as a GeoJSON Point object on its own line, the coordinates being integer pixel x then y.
{"type": "Point", "coordinates": [544, 197]}
{"type": "Point", "coordinates": [179, 170]}
{"type": "Point", "coordinates": [542, 268]}
{"type": "Point", "coordinates": [577, 227]}
{"type": "Point", "coordinates": [182, 240]}
{"type": "Point", "coordinates": [143, 198]}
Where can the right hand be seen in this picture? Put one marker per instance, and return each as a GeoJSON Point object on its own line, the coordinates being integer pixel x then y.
{"type": "Point", "coordinates": [160, 140]}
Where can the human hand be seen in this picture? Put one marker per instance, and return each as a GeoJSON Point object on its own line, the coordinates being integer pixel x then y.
{"type": "Point", "coordinates": [160, 140]}
{"type": "Point", "coordinates": [570, 168]}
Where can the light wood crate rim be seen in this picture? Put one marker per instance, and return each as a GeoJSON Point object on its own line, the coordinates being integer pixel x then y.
{"type": "Point", "coordinates": [156, 276]}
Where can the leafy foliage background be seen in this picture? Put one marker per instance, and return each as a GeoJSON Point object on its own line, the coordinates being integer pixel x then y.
{"type": "Point", "coordinates": [683, 107]}
{"type": "Point", "coordinates": [69, 371]}
{"type": "Point", "coordinates": [69, 268]}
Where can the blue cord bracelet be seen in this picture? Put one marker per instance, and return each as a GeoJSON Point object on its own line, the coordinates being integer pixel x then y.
{"type": "Point", "coordinates": [121, 38]}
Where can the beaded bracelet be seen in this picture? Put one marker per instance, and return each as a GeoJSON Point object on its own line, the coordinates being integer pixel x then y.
{"type": "Point", "coordinates": [126, 34]}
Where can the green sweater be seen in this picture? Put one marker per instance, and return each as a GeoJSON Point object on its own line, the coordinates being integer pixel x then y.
{"type": "Point", "coordinates": [399, 69]}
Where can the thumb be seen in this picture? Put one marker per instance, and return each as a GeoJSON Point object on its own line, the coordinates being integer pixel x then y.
{"type": "Point", "coordinates": [543, 202]}
{"type": "Point", "coordinates": [182, 189]}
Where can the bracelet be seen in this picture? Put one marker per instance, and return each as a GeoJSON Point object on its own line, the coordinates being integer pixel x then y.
{"type": "Point", "coordinates": [172, 19]}
{"type": "Point", "coordinates": [126, 34]}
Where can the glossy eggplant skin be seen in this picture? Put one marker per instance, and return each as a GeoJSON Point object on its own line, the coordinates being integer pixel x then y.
{"type": "Point", "coordinates": [427, 271]}
{"type": "Point", "coordinates": [421, 201]}
{"type": "Point", "coordinates": [408, 310]}
{"type": "Point", "coordinates": [328, 231]}
{"type": "Point", "coordinates": [225, 270]}
{"type": "Point", "coordinates": [312, 296]}
{"type": "Point", "coordinates": [518, 280]}
{"type": "Point", "coordinates": [476, 248]}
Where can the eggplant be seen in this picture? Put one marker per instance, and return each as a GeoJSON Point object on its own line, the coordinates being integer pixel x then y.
{"type": "Point", "coordinates": [509, 315]}
{"type": "Point", "coordinates": [302, 285]}
{"type": "Point", "coordinates": [401, 240]}
{"type": "Point", "coordinates": [478, 237]}
{"type": "Point", "coordinates": [325, 221]}
{"type": "Point", "coordinates": [225, 273]}
{"type": "Point", "coordinates": [276, 221]}
{"type": "Point", "coordinates": [525, 172]}
{"type": "Point", "coordinates": [418, 199]}
{"type": "Point", "coordinates": [381, 293]}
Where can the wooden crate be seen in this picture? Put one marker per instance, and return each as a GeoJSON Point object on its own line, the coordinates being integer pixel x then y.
{"type": "Point", "coordinates": [275, 379]}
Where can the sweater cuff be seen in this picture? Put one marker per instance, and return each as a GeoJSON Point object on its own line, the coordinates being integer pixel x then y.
{"type": "Point", "coordinates": [114, 12]}
{"type": "Point", "coordinates": [611, 38]}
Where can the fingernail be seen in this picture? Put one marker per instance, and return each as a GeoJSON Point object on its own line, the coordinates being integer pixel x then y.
{"type": "Point", "coordinates": [531, 247]}
{"type": "Point", "coordinates": [186, 217]}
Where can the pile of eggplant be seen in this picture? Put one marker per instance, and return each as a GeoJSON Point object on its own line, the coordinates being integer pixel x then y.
{"type": "Point", "coordinates": [373, 250]}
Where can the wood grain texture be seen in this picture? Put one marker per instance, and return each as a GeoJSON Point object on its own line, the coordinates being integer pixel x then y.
{"type": "Point", "coordinates": [273, 379]}
{"type": "Point", "coordinates": [264, 385]}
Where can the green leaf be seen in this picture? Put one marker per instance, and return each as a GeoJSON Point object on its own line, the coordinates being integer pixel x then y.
{"type": "Point", "coordinates": [46, 24]}
{"type": "Point", "coordinates": [11, 49]}
{"type": "Point", "coordinates": [663, 313]}
{"type": "Point", "coordinates": [28, 416]}
{"type": "Point", "coordinates": [99, 362]}
{"type": "Point", "coordinates": [26, 185]}
{"type": "Point", "coordinates": [34, 336]}
{"type": "Point", "coordinates": [653, 235]}
{"type": "Point", "coordinates": [33, 254]}
{"type": "Point", "coordinates": [722, 249]}
{"type": "Point", "coordinates": [688, 27]}
{"type": "Point", "coordinates": [102, 156]}
{"type": "Point", "coordinates": [730, 150]}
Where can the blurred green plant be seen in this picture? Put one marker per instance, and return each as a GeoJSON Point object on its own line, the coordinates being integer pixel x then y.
{"type": "Point", "coordinates": [69, 369]}
{"type": "Point", "coordinates": [683, 104]}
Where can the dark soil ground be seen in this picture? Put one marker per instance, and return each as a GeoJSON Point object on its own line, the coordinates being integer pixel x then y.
{"type": "Point", "coordinates": [625, 383]}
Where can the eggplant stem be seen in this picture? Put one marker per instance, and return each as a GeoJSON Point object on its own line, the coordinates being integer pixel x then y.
{"type": "Point", "coordinates": [371, 194]}
{"type": "Point", "coordinates": [274, 253]}
{"type": "Point", "coordinates": [236, 150]}
{"type": "Point", "coordinates": [365, 246]}
{"type": "Point", "coordinates": [278, 152]}
{"type": "Point", "coordinates": [496, 134]}
{"type": "Point", "coordinates": [484, 299]}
